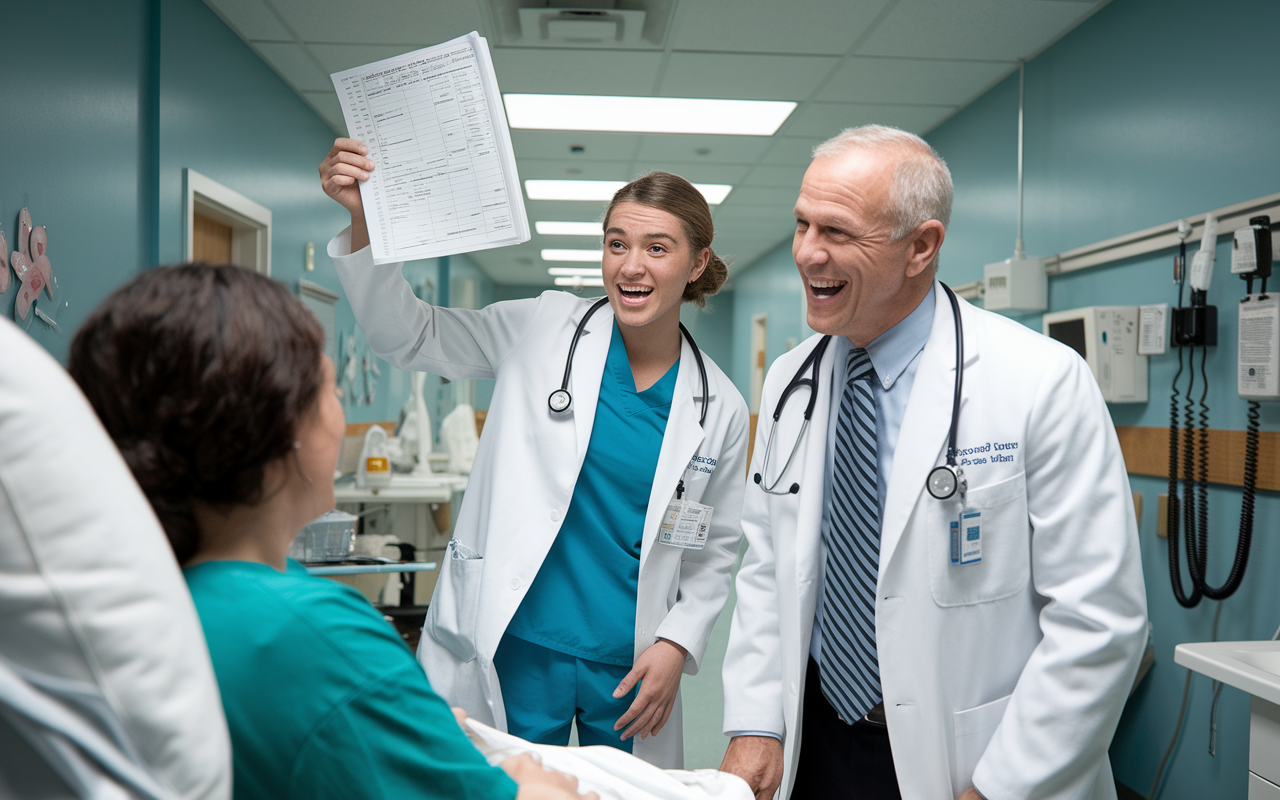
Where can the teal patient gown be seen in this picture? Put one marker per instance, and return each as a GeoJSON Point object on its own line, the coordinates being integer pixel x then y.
{"type": "Point", "coordinates": [323, 699]}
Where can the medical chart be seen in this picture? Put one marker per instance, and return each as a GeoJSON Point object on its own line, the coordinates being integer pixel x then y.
{"type": "Point", "coordinates": [445, 180]}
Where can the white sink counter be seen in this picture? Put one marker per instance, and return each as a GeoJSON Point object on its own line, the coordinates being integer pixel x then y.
{"type": "Point", "coordinates": [1253, 667]}
{"type": "Point", "coordinates": [431, 488]}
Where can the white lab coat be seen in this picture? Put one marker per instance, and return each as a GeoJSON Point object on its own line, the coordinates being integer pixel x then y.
{"type": "Point", "coordinates": [1011, 673]}
{"type": "Point", "coordinates": [526, 467]}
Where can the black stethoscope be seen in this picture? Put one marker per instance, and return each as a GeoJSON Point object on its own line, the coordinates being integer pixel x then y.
{"type": "Point", "coordinates": [560, 399]}
{"type": "Point", "coordinates": [943, 482]}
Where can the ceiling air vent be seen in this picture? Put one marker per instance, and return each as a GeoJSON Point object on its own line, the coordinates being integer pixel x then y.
{"type": "Point", "coordinates": [577, 26]}
{"type": "Point", "coordinates": [589, 24]}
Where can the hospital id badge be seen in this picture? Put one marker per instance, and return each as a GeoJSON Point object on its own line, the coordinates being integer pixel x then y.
{"type": "Point", "coordinates": [966, 538]}
{"type": "Point", "coordinates": [685, 525]}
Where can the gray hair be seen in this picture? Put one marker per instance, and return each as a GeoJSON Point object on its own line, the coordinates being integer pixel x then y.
{"type": "Point", "coordinates": [921, 188]}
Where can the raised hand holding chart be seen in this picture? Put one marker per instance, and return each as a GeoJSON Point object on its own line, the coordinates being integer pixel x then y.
{"type": "Point", "coordinates": [445, 180]}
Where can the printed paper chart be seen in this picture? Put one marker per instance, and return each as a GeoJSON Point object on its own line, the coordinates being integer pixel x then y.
{"type": "Point", "coordinates": [445, 180]}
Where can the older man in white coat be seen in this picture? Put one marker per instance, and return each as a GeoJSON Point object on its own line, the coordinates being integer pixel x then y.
{"type": "Point", "coordinates": [888, 643]}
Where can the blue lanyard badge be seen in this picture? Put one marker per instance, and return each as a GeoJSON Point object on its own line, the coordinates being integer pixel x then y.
{"type": "Point", "coordinates": [966, 539]}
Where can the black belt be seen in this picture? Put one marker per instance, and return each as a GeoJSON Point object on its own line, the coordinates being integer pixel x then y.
{"type": "Point", "coordinates": [875, 717]}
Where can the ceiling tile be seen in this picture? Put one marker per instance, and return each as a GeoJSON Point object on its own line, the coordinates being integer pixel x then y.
{"type": "Point", "coordinates": [696, 173]}
{"type": "Point", "coordinates": [777, 176]}
{"type": "Point", "coordinates": [744, 77]}
{"type": "Point", "coordinates": [564, 210]}
{"type": "Point", "coordinates": [791, 150]}
{"type": "Point", "coordinates": [556, 144]}
{"type": "Point", "coordinates": [330, 110]}
{"type": "Point", "coordinates": [911, 80]}
{"type": "Point", "coordinates": [544, 71]}
{"type": "Point", "coordinates": [810, 27]}
{"type": "Point", "coordinates": [572, 169]}
{"type": "Point", "coordinates": [743, 255]}
{"type": "Point", "coordinates": [684, 147]}
{"type": "Point", "coordinates": [765, 196]}
{"type": "Point", "coordinates": [757, 220]}
{"type": "Point", "coordinates": [251, 19]}
{"type": "Point", "coordinates": [339, 57]}
{"type": "Point", "coordinates": [825, 120]}
{"type": "Point", "coordinates": [293, 64]}
{"type": "Point", "coordinates": [385, 22]}
{"type": "Point", "coordinates": [1001, 30]}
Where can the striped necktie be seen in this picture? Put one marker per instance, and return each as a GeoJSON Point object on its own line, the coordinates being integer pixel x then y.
{"type": "Point", "coordinates": [850, 670]}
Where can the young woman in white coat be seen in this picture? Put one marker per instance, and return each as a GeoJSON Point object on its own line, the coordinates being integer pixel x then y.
{"type": "Point", "coordinates": [558, 600]}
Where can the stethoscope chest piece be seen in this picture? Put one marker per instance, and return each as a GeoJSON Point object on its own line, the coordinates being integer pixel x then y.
{"type": "Point", "coordinates": [945, 480]}
{"type": "Point", "coordinates": [559, 400]}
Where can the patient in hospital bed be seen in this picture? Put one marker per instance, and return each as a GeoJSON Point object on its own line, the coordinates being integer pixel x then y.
{"type": "Point", "coordinates": [213, 384]}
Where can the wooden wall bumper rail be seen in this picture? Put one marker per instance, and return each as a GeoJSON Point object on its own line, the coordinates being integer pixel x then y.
{"type": "Point", "coordinates": [1146, 452]}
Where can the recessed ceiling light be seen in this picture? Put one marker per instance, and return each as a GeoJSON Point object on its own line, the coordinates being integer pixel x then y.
{"type": "Point", "coordinates": [572, 255]}
{"type": "Point", "coordinates": [604, 190]}
{"type": "Point", "coordinates": [570, 229]}
{"type": "Point", "coordinates": [576, 112]}
{"type": "Point", "coordinates": [590, 272]}
{"type": "Point", "coordinates": [579, 281]}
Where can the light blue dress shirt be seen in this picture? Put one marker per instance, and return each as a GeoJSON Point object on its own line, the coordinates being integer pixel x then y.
{"type": "Point", "coordinates": [895, 355]}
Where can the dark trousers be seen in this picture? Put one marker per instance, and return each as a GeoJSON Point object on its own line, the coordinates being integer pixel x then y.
{"type": "Point", "coordinates": [839, 760]}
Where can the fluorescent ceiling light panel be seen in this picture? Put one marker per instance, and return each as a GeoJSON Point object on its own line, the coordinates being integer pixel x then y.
{"type": "Point", "coordinates": [569, 229]}
{"type": "Point", "coordinates": [577, 112]}
{"type": "Point", "coordinates": [604, 190]}
{"type": "Point", "coordinates": [579, 281]}
{"type": "Point", "coordinates": [572, 255]}
{"type": "Point", "coordinates": [590, 272]}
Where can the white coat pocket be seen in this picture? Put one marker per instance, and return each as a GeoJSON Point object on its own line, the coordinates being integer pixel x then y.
{"type": "Point", "coordinates": [1005, 567]}
{"type": "Point", "coordinates": [451, 620]}
{"type": "Point", "coordinates": [974, 728]}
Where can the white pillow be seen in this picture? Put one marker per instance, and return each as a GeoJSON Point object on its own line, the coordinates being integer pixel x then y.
{"type": "Point", "coordinates": [90, 593]}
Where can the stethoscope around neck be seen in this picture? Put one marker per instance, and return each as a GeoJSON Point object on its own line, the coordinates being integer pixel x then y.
{"type": "Point", "coordinates": [561, 399]}
{"type": "Point", "coordinates": [943, 481]}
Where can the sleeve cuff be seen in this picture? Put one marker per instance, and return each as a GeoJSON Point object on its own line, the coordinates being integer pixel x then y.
{"type": "Point", "coordinates": [770, 734]}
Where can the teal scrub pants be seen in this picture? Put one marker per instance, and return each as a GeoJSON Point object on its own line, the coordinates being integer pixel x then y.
{"type": "Point", "coordinates": [545, 690]}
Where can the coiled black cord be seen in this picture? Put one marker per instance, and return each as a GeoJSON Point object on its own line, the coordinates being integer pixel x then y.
{"type": "Point", "coordinates": [1198, 566]}
{"type": "Point", "coordinates": [1173, 530]}
{"type": "Point", "coordinates": [1191, 537]}
{"type": "Point", "coordinates": [1245, 537]}
{"type": "Point", "coordinates": [1196, 499]}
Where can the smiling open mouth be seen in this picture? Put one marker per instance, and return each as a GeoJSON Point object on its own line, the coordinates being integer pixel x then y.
{"type": "Point", "coordinates": [824, 289]}
{"type": "Point", "coordinates": [635, 292]}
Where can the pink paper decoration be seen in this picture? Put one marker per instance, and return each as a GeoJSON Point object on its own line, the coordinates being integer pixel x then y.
{"type": "Point", "coordinates": [31, 264]}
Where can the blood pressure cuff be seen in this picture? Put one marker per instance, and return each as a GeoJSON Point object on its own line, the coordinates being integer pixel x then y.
{"type": "Point", "coordinates": [106, 688]}
{"type": "Point", "coordinates": [612, 773]}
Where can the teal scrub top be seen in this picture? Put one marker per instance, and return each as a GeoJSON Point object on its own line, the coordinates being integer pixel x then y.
{"type": "Point", "coordinates": [583, 600]}
{"type": "Point", "coordinates": [322, 698]}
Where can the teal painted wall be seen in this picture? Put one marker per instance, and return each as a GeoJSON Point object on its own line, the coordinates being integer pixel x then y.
{"type": "Point", "coordinates": [771, 286]}
{"type": "Point", "coordinates": [75, 154]}
{"type": "Point", "coordinates": [1122, 133]}
{"type": "Point", "coordinates": [108, 114]}
{"type": "Point", "coordinates": [712, 327]}
{"type": "Point", "coordinates": [1132, 120]}
{"type": "Point", "coordinates": [225, 114]}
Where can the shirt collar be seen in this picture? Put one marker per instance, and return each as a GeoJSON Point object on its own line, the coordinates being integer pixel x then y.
{"type": "Point", "coordinates": [894, 350]}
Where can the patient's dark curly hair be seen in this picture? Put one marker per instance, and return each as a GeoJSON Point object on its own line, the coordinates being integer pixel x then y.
{"type": "Point", "coordinates": [201, 374]}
